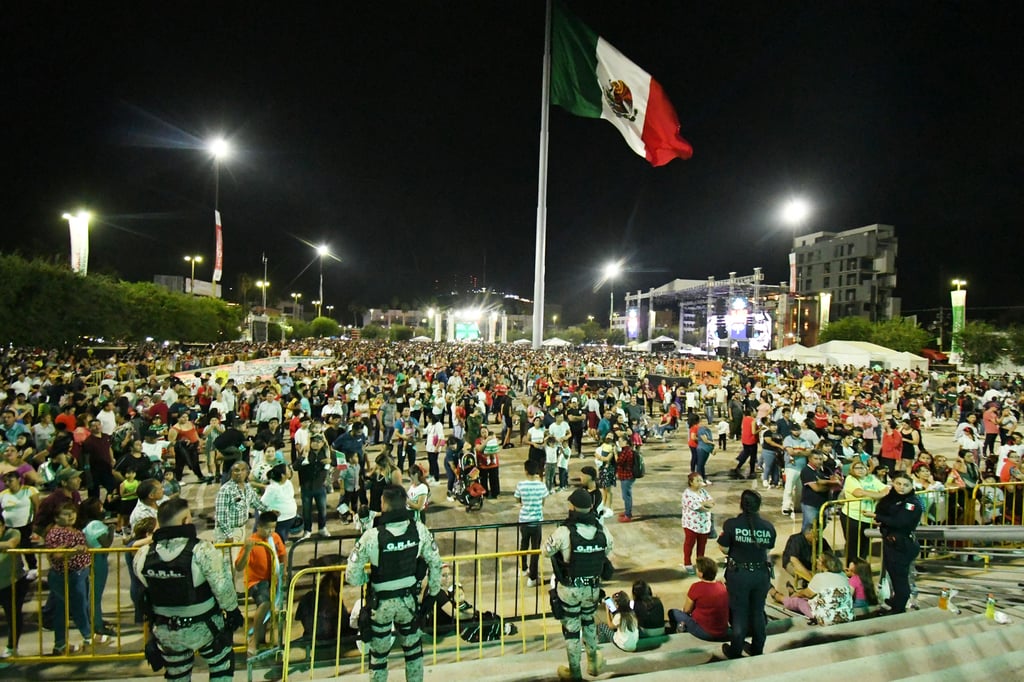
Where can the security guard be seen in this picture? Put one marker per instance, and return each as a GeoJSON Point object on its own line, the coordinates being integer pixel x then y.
{"type": "Point", "coordinates": [747, 539]}
{"type": "Point", "coordinates": [578, 549]}
{"type": "Point", "coordinates": [898, 514]}
{"type": "Point", "coordinates": [192, 601]}
{"type": "Point", "coordinates": [402, 552]}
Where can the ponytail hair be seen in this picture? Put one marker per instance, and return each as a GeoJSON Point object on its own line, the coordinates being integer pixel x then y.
{"type": "Point", "coordinates": [750, 502]}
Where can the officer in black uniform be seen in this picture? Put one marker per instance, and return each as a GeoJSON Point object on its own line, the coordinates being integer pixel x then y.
{"type": "Point", "coordinates": [578, 549]}
{"type": "Point", "coordinates": [898, 514]}
{"type": "Point", "coordinates": [191, 597]}
{"type": "Point", "coordinates": [747, 539]}
{"type": "Point", "coordinates": [402, 553]}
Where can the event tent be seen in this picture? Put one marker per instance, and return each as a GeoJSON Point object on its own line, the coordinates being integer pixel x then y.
{"type": "Point", "coordinates": [855, 353]}
{"type": "Point", "coordinates": [645, 346]}
{"type": "Point", "coordinates": [554, 341]}
{"type": "Point", "coordinates": [522, 342]}
{"type": "Point", "coordinates": [421, 339]}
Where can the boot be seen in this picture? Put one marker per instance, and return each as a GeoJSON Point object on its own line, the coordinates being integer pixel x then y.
{"type": "Point", "coordinates": [564, 673]}
{"type": "Point", "coordinates": [595, 663]}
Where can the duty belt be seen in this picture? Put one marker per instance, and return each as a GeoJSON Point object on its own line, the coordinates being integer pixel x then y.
{"type": "Point", "coordinates": [588, 581]}
{"type": "Point", "coordinates": [748, 566]}
{"type": "Point", "coordinates": [174, 623]}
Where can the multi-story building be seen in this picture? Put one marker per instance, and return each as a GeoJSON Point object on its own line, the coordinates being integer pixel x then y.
{"type": "Point", "coordinates": [857, 267]}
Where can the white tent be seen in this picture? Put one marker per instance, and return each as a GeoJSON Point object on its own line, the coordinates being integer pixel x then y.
{"type": "Point", "coordinates": [788, 353]}
{"type": "Point", "coordinates": [854, 353]}
{"type": "Point", "coordinates": [555, 342]}
{"type": "Point", "coordinates": [421, 339]}
{"type": "Point", "coordinates": [522, 342]}
{"type": "Point", "coordinates": [686, 349]}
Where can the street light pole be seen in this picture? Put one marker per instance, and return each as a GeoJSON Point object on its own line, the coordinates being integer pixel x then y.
{"type": "Point", "coordinates": [78, 225]}
{"type": "Point", "coordinates": [193, 260]}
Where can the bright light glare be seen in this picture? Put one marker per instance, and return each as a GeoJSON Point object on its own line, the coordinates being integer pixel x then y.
{"type": "Point", "coordinates": [612, 270]}
{"type": "Point", "coordinates": [795, 211]}
{"type": "Point", "coordinates": [219, 148]}
{"type": "Point", "coordinates": [81, 215]}
{"type": "Point", "coordinates": [323, 250]}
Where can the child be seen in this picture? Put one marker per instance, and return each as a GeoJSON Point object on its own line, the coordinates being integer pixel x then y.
{"type": "Point", "coordinates": [564, 455]}
{"type": "Point", "coordinates": [260, 566]}
{"type": "Point", "coordinates": [863, 584]}
{"type": "Point", "coordinates": [418, 493]}
{"type": "Point", "coordinates": [129, 496]}
{"type": "Point", "coordinates": [550, 462]}
{"type": "Point", "coordinates": [723, 434]}
{"type": "Point", "coordinates": [992, 500]}
{"type": "Point", "coordinates": [69, 580]}
{"type": "Point", "coordinates": [622, 627]}
{"type": "Point", "coordinates": [350, 477]}
{"type": "Point", "coordinates": [172, 488]}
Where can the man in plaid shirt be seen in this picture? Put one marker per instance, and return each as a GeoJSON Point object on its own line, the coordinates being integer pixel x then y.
{"type": "Point", "coordinates": [231, 508]}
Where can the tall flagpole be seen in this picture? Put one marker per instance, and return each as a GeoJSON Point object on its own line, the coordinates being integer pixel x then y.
{"type": "Point", "coordinates": [542, 186]}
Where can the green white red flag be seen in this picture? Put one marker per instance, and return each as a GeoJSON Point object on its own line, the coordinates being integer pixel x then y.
{"type": "Point", "coordinates": [591, 78]}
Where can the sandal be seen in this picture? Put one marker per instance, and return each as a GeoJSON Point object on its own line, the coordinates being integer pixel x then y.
{"type": "Point", "coordinates": [775, 594]}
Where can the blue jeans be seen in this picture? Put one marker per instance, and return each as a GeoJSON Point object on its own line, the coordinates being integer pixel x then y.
{"type": "Point", "coordinates": [702, 460]}
{"type": "Point", "coordinates": [319, 496]}
{"type": "Point", "coordinates": [627, 496]}
{"type": "Point", "coordinates": [771, 469]}
{"type": "Point", "coordinates": [100, 570]}
{"type": "Point", "coordinates": [810, 516]}
{"type": "Point", "coordinates": [77, 600]}
{"type": "Point", "coordinates": [677, 618]}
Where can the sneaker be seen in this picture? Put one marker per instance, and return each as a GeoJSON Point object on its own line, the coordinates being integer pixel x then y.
{"type": "Point", "coordinates": [7, 653]}
{"type": "Point", "coordinates": [450, 498]}
{"type": "Point", "coordinates": [625, 519]}
{"type": "Point", "coordinates": [342, 509]}
{"type": "Point", "coordinates": [305, 536]}
{"type": "Point", "coordinates": [765, 484]}
{"type": "Point", "coordinates": [530, 582]}
{"type": "Point", "coordinates": [787, 512]}
{"type": "Point", "coordinates": [32, 575]}
{"type": "Point", "coordinates": [324, 533]}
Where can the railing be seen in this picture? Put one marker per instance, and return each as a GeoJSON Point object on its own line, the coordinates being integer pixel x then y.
{"type": "Point", "coordinates": [1000, 504]}
{"type": "Point", "coordinates": [436, 632]}
{"type": "Point", "coordinates": [129, 640]}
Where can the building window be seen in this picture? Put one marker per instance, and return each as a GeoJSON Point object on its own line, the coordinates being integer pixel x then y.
{"type": "Point", "coordinates": [828, 267]}
{"type": "Point", "coordinates": [849, 294]}
{"type": "Point", "coordinates": [799, 258]}
{"type": "Point", "coordinates": [851, 264]}
{"type": "Point", "coordinates": [851, 280]}
{"type": "Point", "coordinates": [826, 282]}
{"type": "Point", "coordinates": [849, 249]}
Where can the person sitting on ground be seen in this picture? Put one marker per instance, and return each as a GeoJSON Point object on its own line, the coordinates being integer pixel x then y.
{"type": "Point", "coordinates": [862, 582]}
{"type": "Point", "coordinates": [622, 627]}
{"type": "Point", "coordinates": [796, 557]}
{"type": "Point", "coordinates": [828, 597]}
{"type": "Point", "coordinates": [322, 625]}
{"type": "Point", "coordinates": [705, 612]}
{"type": "Point", "coordinates": [650, 612]}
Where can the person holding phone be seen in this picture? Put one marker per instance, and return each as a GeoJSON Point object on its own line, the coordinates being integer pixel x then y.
{"type": "Point", "coordinates": [622, 628]}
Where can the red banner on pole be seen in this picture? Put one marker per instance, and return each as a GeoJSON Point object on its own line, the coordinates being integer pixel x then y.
{"type": "Point", "coordinates": [218, 261]}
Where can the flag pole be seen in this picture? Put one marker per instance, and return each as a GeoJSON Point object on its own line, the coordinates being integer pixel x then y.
{"type": "Point", "coordinates": [542, 186]}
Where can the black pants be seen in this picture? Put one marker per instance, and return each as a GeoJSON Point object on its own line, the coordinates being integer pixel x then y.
{"type": "Point", "coordinates": [856, 541]}
{"type": "Point", "coordinates": [26, 543]}
{"type": "Point", "coordinates": [186, 455]}
{"type": "Point", "coordinates": [747, 454]}
{"type": "Point", "coordinates": [12, 598]}
{"type": "Point", "coordinates": [490, 478]}
{"type": "Point", "coordinates": [747, 592]}
{"type": "Point", "coordinates": [529, 538]}
{"type": "Point", "coordinates": [897, 558]}
{"type": "Point", "coordinates": [576, 440]}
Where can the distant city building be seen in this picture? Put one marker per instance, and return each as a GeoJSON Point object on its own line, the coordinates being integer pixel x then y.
{"type": "Point", "coordinates": [856, 267]}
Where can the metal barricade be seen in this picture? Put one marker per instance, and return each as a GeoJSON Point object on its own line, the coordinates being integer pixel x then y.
{"type": "Point", "coordinates": [129, 639]}
{"type": "Point", "coordinates": [1000, 504]}
{"type": "Point", "coordinates": [479, 566]}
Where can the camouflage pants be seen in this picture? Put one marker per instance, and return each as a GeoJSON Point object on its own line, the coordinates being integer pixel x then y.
{"type": "Point", "coordinates": [179, 647]}
{"type": "Point", "coordinates": [580, 603]}
{"type": "Point", "coordinates": [401, 613]}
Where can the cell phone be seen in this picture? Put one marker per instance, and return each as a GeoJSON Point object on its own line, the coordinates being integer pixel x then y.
{"type": "Point", "coordinates": [610, 603]}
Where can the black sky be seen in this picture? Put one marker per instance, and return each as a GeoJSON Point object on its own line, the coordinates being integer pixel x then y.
{"type": "Point", "coordinates": [404, 134]}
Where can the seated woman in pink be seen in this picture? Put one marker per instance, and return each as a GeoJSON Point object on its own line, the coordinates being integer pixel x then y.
{"type": "Point", "coordinates": [828, 597]}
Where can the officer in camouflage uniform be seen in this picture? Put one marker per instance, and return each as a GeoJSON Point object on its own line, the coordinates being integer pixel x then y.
{"type": "Point", "coordinates": [578, 549]}
{"type": "Point", "coordinates": [191, 596]}
{"type": "Point", "coordinates": [402, 552]}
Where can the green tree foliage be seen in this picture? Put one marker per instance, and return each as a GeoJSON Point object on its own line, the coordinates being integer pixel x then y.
{"type": "Point", "coordinates": [847, 329]}
{"type": "Point", "coordinates": [374, 332]}
{"type": "Point", "coordinates": [592, 331]}
{"type": "Point", "coordinates": [981, 343]}
{"type": "Point", "coordinates": [1015, 344]}
{"type": "Point", "coordinates": [900, 334]}
{"type": "Point", "coordinates": [574, 335]}
{"type": "Point", "coordinates": [324, 327]}
{"type": "Point", "coordinates": [616, 337]}
{"type": "Point", "coordinates": [516, 334]}
{"type": "Point", "coordinates": [400, 332]}
{"type": "Point", "coordinates": [48, 305]}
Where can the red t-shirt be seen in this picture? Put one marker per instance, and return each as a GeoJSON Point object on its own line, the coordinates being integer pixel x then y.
{"type": "Point", "coordinates": [747, 435]}
{"type": "Point", "coordinates": [711, 607]}
{"type": "Point", "coordinates": [693, 435]}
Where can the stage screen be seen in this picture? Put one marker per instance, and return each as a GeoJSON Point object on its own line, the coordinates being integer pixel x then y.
{"type": "Point", "coordinates": [467, 331]}
{"type": "Point", "coordinates": [735, 323]}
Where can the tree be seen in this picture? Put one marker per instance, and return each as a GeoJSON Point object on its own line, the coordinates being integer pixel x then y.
{"type": "Point", "coordinates": [1015, 344]}
{"type": "Point", "coordinates": [592, 331]}
{"type": "Point", "coordinates": [848, 329]}
{"type": "Point", "coordinates": [373, 332]}
{"type": "Point", "coordinates": [324, 326]}
{"type": "Point", "coordinates": [900, 334]}
{"type": "Point", "coordinates": [400, 332]}
{"type": "Point", "coordinates": [574, 335]}
{"type": "Point", "coordinates": [616, 337]}
{"type": "Point", "coordinates": [356, 309]}
{"type": "Point", "coordinates": [980, 343]}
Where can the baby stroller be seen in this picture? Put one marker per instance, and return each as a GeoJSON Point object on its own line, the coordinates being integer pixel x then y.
{"type": "Point", "coordinates": [468, 490]}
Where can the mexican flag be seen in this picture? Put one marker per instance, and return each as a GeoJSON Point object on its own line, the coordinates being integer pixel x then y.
{"type": "Point", "coordinates": [591, 78]}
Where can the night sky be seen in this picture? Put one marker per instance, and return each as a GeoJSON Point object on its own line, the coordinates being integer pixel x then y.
{"type": "Point", "coordinates": [405, 136]}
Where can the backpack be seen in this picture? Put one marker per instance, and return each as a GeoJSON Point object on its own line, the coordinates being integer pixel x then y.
{"type": "Point", "coordinates": [639, 467]}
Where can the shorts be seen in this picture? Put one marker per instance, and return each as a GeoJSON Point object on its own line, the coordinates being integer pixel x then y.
{"type": "Point", "coordinates": [126, 507]}
{"type": "Point", "coordinates": [260, 592]}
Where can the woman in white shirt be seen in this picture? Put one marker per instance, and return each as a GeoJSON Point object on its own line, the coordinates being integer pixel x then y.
{"type": "Point", "coordinates": [279, 496]}
{"type": "Point", "coordinates": [622, 628]}
{"type": "Point", "coordinates": [434, 434]}
{"type": "Point", "coordinates": [419, 492]}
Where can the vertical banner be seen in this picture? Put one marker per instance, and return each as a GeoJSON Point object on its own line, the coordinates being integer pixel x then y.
{"type": "Point", "coordinates": [792, 273]}
{"type": "Point", "coordinates": [824, 309]}
{"type": "Point", "coordinates": [79, 226]}
{"type": "Point", "coordinates": [959, 300]}
{"type": "Point", "coordinates": [218, 258]}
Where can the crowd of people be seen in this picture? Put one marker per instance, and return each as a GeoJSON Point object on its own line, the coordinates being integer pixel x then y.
{"type": "Point", "coordinates": [93, 448]}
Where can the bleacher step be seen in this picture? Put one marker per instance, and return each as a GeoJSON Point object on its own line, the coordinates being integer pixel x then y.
{"type": "Point", "coordinates": [1006, 666]}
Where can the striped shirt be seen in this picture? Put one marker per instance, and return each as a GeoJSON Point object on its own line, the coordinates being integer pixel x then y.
{"type": "Point", "coordinates": [531, 493]}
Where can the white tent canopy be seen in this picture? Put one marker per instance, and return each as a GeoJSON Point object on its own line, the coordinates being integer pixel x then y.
{"type": "Point", "coordinates": [421, 339]}
{"type": "Point", "coordinates": [855, 353]}
{"type": "Point", "coordinates": [522, 342]}
{"type": "Point", "coordinates": [555, 342]}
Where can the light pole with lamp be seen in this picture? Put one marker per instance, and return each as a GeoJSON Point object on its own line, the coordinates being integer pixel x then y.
{"type": "Point", "coordinates": [295, 305]}
{"type": "Point", "coordinates": [611, 271]}
{"type": "Point", "coordinates": [317, 303]}
{"type": "Point", "coordinates": [958, 297]}
{"type": "Point", "coordinates": [795, 213]}
{"type": "Point", "coordinates": [192, 260]}
{"type": "Point", "coordinates": [78, 226]}
{"type": "Point", "coordinates": [218, 149]}
{"type": "Point", "coordinates": [262, 285]}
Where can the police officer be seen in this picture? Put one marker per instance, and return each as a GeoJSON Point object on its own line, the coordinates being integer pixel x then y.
{"type": "Point", "coordinates": [898, 514]}
{"type": "Point", "coordinates": [191, 596]}
{"type": "Point", "coordinates": [747, 539]}
{"type": "Point", "coordinates": [578, 549]}
{"type": "Point", "coordinates": [401, 552]}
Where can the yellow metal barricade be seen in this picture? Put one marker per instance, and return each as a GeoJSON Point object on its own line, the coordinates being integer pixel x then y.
{"type": "Point", "coordinates": [484, 567]}
{"type": "Point", "coordinates": [999, 504]}
{"type": "Point", "coordinates": [128, 640]}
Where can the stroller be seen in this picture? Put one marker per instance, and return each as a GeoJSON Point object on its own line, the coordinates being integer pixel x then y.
{"type": "Point", "coordinates": [468, 490]}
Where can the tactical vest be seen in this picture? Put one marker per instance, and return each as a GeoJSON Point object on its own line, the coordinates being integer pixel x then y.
{"type": "Point", "coordinates": [170, 582]}
{"type": "Point", "coordinates": [586, 557]}
{"type": "Point", "coordinates": [396, 559]}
